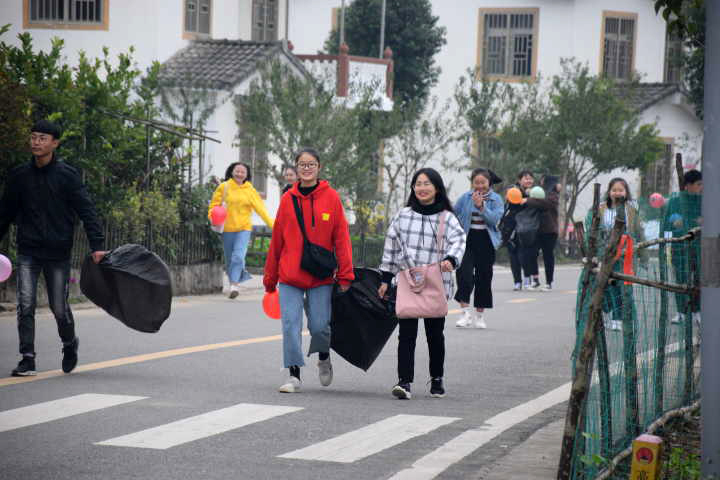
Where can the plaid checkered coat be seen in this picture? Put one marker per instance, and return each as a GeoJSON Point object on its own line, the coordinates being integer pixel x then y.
{"type": "Point", "coordinates": [417, 232]}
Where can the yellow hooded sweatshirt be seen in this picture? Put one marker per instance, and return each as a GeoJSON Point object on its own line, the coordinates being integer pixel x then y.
{"type": "Point", "coordinates": [241, 200]}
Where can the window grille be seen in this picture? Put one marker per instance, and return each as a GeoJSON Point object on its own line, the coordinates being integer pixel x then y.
{"type": "Point", "coordinates": [508, 44]}
{"type": "Point", "coordinates": [197, 16]}
{"type": "Point", "coordinates": [67, 11]}
{"type": "Point", "coordinates": [673, 58]}
{"type": "Point", "coordinates": [618, 47]}
{"type": "Point", "coordinates": [265, 19]}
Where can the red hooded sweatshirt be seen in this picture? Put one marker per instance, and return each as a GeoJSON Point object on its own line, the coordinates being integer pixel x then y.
{"type": "Point", "coordinates": [325, 224]}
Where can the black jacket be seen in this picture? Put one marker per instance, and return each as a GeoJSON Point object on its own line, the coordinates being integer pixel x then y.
{"type": "Point", "coordinates": [43, 203]}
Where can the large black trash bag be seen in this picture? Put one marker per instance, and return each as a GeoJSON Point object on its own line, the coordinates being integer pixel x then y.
{"type": "Point", "coordinates": [132, 284]}
{"type": "Point", "coordinates": [361, 321]}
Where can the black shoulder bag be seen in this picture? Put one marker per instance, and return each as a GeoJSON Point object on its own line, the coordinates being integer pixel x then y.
{"type": "Point", "coordinates": [316, 260]}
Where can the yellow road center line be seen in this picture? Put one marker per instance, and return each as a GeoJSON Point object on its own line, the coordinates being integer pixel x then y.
{"type": "Point", "coordinates": [141, 358]}
{"type": "Point", "coordinates": [522, 300]}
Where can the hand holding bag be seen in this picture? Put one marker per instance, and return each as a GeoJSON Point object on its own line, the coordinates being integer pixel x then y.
{"type": "Point", "coordinates": [221, 228]}
{"type": "Point", "coordinates": [316, 260]}
{"type": "Point", "coordinates": [420, 289]}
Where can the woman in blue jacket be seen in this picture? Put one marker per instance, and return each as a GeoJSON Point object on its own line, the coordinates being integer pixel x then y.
{"type": "Point", "coordinates": [479, 212]}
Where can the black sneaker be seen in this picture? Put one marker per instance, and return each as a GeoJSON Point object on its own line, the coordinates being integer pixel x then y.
{"type": "Point", "coordinates": [26, 368]}
{"type": "Point", "coordinates": [402, 391]}
{"type": "Point", "coordinates": [70, 357]}
{"type": "Point", "coordinates": [436, 388]}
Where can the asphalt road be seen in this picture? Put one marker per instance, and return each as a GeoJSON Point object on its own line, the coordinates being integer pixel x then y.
{"type": "Point", "coordinates": [206, 385]}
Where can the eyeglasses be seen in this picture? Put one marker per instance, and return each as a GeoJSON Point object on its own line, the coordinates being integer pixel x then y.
{"type": "Point", "coordinates": [307, 166]}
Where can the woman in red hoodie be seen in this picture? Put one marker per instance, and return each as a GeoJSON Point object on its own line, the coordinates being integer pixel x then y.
{"type": "Point", "coordinates": [325, 225]}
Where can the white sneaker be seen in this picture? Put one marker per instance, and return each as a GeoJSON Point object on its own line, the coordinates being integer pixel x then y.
{"type": "Point", "coordinates": [696, 318]}
{"type": "Point", "coordinates": [234, 291]}
{"type": "Point", "coordinates": [615, 325]}
{"type": "Point", "coordinates": [479, 321]}
{"type": "Point", "coordinates": [291, 386]}
{"type": "Point", "coordinates": [325, 372]}
{"type": "Point", "coordinates": [678, 318]}
{"type": "Point", "coordinates": [547, 288]}
{"type": "Point", "coordinates": [466, 320]}
{"type": "Point", "coordinates": [517, 287]}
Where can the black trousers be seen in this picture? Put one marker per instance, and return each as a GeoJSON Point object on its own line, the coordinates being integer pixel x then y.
{"type": "Point", "coordinates": [546, 243]}
{"type": "Point", "coordinates": [406, 347]}
{"type": "Point", "coordinates": [515, 264]}
{"type": "Point", "coordinates": [476, 270]}
{"type": "Point", "coordinates": [57, 280]}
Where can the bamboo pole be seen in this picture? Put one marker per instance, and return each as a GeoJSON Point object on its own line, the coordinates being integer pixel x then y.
{"type": "Point", "coordinates": [583, 364]}
{"type": "Point", "coordinates": [691, 235]}
{"type": "Point", "coordinates": [670, 287]}
{"type": "Point", "coordinates": [632, 410]}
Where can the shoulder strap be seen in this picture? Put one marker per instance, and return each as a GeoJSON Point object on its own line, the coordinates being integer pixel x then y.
{"type": "Point", "coordinates": [298, 214]}
{"type": "Point", "coordinates": [225, 190]}
{"type": "Point", "coordinates": [440, 238]}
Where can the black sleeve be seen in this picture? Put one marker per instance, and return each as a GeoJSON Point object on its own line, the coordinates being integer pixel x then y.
{"type": "Point", "coordinates": [387, 277]}
{"type": "Point", "coordinates": [83, 206]}
{"type": "Point", "coordinates": [9, 206]}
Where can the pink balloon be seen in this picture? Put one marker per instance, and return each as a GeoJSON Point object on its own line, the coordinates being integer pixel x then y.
{"type": "Point", "coordinates": [657, 200]}
{"type": "Point", "coordinates": [218, 215]}
{"type": "Point", "coordinates": [5, 268]}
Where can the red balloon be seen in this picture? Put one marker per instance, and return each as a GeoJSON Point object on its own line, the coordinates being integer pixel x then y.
{"type": "Point", "coordinates": [271, 305]}
{"type": "Point", "coordinates": [657, 200]}
{"type": "Point", "coordinates": [218, 214]}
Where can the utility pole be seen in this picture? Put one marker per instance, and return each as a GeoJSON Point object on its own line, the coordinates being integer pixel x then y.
{"type": "Point", "coordinates": [382, 30]}
{"type": "Point", "coordinates": [342, 23]}
{"type": "Point", "coordinates": [287, 23]}
{"type": "Point", "coordinates": [710, 263]}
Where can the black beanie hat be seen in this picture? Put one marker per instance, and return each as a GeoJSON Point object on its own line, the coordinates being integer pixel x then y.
{"type": "Point", "coordinates": [46, 126]}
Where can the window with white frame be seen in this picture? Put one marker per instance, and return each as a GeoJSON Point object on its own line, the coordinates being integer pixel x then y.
{"type": "Point", "coordinates": [66, 12]}
{"type": "Point", "coordinates": [618, 56]}
{"type": "Point", "coordinates": [264, 20]}
{"type": "Point", "coordinates": [197, 16]}
{"type": "Point", "coordinates": [508, 43]}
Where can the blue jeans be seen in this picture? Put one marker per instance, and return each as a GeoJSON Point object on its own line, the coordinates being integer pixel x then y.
{"type": "Point", "coordinates": [57, 280]}
{"type": "Point", "coordinates": [235, 245]}
{"type": "Point", "coordinates": [318, 313]}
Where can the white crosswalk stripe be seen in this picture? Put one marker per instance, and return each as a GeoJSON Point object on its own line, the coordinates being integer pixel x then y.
{"type": "Point", "coordinates": [369, 440]}
{"type": "Point", "coordinates": [57, 409]}
{"type": "Point", "coordinates": [200, 426]}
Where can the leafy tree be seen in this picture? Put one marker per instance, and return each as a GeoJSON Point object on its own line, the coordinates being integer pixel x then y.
{"type": "Point", "coordinates": [411, 31]}
{"type": "Point", "coordinates": [425, 138]}
{"type": "Point", "coordinates": [14, 124]}
{"type": "Point", "coordinates": [283, 112]}
{"type": "Point", "coordinates": [583, 130]}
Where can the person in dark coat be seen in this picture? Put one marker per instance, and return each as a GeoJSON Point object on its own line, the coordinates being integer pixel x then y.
{"type": "Point", "coordinates": [43, 197]}
{"type": "Point", "coordinates": [525, 181]}
{"type": "Point", "coordinates": [548, 232]}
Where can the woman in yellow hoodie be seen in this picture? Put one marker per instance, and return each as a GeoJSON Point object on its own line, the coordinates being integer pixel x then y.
{"type": "Point", "coordinates": [241, 199]}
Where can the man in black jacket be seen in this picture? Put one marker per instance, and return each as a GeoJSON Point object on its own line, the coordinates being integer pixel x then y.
{"type": "Point", "coordinates": [43, 197]}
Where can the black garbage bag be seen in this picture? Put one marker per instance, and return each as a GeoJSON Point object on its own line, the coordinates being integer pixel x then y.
{"type": "Point", "coordinates": [361, 321]}
{"type": "Point", "coordinates": [132, 284]}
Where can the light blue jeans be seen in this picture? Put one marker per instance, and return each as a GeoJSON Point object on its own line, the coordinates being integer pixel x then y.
{"type": "Point", "coordinates": [235, 245]}
{"type": "Point", "coordinates": [318, 313]}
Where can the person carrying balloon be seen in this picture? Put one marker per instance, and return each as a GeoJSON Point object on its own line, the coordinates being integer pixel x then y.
{"type": "Point", "coordinates": [681, 215]}
{"type": "Point", "coordinates": [479, 211]}
{"type": "Point", "coordinates": [310, 250]}
{"type": "Point", "coordinates": [238, 198]}
{"type": "Point", "coordinates": [546, 199]}
{"type": "Point", "coordinates": [43, 197]}
{"type": "Point", "coordinates": [514, 196]}
{"type": "Point", "coordinates": [618, 299]}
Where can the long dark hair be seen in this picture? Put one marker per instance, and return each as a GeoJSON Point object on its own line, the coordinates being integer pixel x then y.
{"type": "Point", "coordinates": [440, 192]}
{"type": "Point", "coordinates": [228, 172]}
{"type": "Point", "coordinates": [628, 195]}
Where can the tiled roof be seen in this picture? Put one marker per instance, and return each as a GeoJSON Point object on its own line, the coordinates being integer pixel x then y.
{"type": "Point", "coordinates": [218, 64]}
{"type": "Point", "coordinates": [641, 96]}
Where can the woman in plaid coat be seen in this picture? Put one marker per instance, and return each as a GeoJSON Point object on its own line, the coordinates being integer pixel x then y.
{"type": "Point", "coordinates": [410, 241]}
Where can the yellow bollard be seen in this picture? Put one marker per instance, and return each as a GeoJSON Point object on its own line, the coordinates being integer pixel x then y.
{"type": "Point", "coordinates": [646, 458]}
